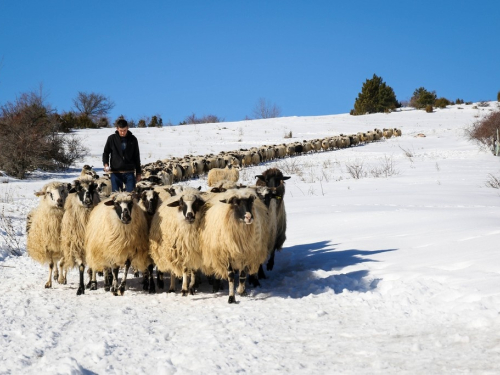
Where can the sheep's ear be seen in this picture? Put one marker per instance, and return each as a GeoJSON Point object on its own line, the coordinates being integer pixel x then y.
{"type": "Point", "coordinates": [224, 201]}
{"type": "Point", "coordinates": [69, 186]}
{"type": "Point", "coordinates": [171, 191]}
{"type": "Point", "coordinates": [72, 190]}
{"type": "Point", "coordinates": [173, 204]}
{"type": "Point", "coordinates": [199, 188]}
{"type": "Point", "coordinates": [261, 177]}
{"type": "Point", "coordinates": [111, 202]}
{"type": "Point", "coordinates": [286, 177]}
{"type": "Point", "coordinates": [40, 193]}
{"type": "Point", "coordinates": [96, 176]}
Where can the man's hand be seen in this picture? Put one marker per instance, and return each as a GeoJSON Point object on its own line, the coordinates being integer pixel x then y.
{"type": "Point", "coordinates": [106, 168]}
{"type": "Point", "coordinates": [138, 178]}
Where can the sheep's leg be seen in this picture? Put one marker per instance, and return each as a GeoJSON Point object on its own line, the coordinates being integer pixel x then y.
{"type": "Point", "coordinates": [108, 279]}
{"type": "Point", "coordinates": [114, 287]}
{"type": "Point", "coordinates": [230, 278]}
{"type": "Point", "coordinates": [145, 280]}
{"type": "Point", "coordinates": [184, 282]}
{"type": "Point", "coordinates": [254, 280]}
{"type": "Point", "coordinates": [261, 273]}
{"type": "Point", "coordinates": [93, 281]}
{"type": "Point", "coordinates": [172, 283]}
{"type": "Point", "coordinates": [121, 289]}
{"type": "Point", "coordinates": [56, 272]}
{"type": "Point", "coordinates": [270, 262]}
{"type": "Point", "coordinates": [192, 283]}
{"type": "Point", "coordinates": [81, 287]}
{"type": "Point", "coordinates": [152, 287]}
{"type": "Point", "coordinates": [243, 279]}
{"type": "Point", "coordinates": [48, 284]}
{"type": "Point", "coordinates": [62, 276]}
{"type": "Point", "coordinates": [89, 272]}
{"type": "Point", "coordinates": [159, 279]}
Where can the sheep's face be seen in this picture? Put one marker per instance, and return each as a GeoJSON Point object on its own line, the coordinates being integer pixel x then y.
{"type": "Point", "coordinates": [100, 186]}
{"type": "Point", "coordinates": [123, 208]}
{"type": "Point", "coordinates": [55, 194]}
{"type": "Point", "coordinates": [188, 207]}
{"type": "Point", "coordinates": [85, 193]}
{"type": "Point", "coordinates": [149, 199]}
{"type": "Point", "coordinates": [242, 208]}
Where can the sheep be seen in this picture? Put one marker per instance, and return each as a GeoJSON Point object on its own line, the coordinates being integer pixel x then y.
{"type": "Point", "coordinates": [397, 132]}
{"type": "Point", "coordinates": [104, 186]}
{"type": "Point", "coordinates": [87, 170]}
{"type": "Point", "coordinates": [116, 235]}
{"type": "Point", "coordinates": [77, 209]}
{"type": "Point", "coordinates": [234, 236]}
{"type": "Point", "coordinates": [174, 238]}
{"type": "Point", "coordinates": [274, 178]}
{"type": "Point", "coordinates": [387, 133]}
{"type": "Point", "coordinates": [229, 173]}
{"type": "Point", "coordinates": [44, 226]}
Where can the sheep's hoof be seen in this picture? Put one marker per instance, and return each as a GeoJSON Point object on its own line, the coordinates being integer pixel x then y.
{"type": "Point", "coordinates": [56, 275]}
{"type": "Point", "coordinates": [80, 291]}
{"type": "Point", "coordinates": [231, 299]}
{"type": "Point", "coordinates": [171, 290]}
{"type": "Point", "coordinates": [152, 288]}
{"type": "Point", "coordinates": [243, 294]}
{"type": "Point", "coordinates": [93, 285]}
{"type": "Point", "coordinates": [254, 281]}
{"type": "Point", "coordinates": [107, 288]}
{"type": "Point", "coordinates": [88, 285]}
{"type": "Point", "coordinates": [184, 293]}
{"type": "Point", "coordinates": [261, 274]}
{"type": "Point", "coordinates": [136, 274]}
{"type": "Point", "coordinates": [121, 290]}
{"type": "Point", "coordinates": [270, 266]}
{"type": "Point", "coordinates": [191, 291]}
{"type": "Point", "coordinates": [161, 284]}
{"type": "Point", "coordinates": [48, 284]}
{"type": "Point", "coordinates": [61, 280]}
{"type": "Point", "coordinates": [145, 285]}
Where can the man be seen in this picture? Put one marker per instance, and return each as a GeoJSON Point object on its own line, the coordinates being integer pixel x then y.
{"type": "Point", "coordinates": [123, 149]}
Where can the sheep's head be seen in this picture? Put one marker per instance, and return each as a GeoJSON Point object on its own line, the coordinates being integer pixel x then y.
{"type": "Point", "coordinates": [188, 206]}
{"type": "Point", "coordinates": [150, 199]}
{"type": "Point", "coordinates": [241, 207]}
{"type": "Point", "coordinates": [55, 193]}
{"type": "Point", "coordinates": [123, 204]}
{"type": "Point", "coordinates": [272, 177]}
{"type": "Point", "coordinates": [84, 190]}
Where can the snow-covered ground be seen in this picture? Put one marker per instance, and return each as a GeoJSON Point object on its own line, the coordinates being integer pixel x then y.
{"type": "Point", "coordinates": [395, 272]}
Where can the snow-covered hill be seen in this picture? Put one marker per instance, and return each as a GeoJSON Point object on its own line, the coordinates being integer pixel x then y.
{"type": "Point", "coordinates": [395, 272]}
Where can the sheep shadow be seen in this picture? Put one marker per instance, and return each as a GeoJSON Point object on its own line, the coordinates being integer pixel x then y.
{"type": "Point", "coordinates": [307, 269]}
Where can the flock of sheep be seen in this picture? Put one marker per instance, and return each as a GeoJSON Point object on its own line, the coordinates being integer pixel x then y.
{"type": "Point", "coordinates": [229, 229]}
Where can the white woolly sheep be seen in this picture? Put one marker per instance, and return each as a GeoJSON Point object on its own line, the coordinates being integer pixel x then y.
{"type": "Point", "coordinates": [229, 173]}
{"type": "Point", "coordinates": [234, 236]}
{"type": "Point", "coordinates": [174, 238]}
{"type": "Point", "coordinates": [104, 186]}
{"type": "Point", "coordinates": [44, 227]}
{"type": "Point", "coordinates": [77, 209]}
{"type": "Point", "coordinates": [116, 236]}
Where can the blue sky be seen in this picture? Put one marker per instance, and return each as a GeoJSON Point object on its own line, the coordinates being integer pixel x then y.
{"type": "Point", "coordinates": [175, 58]}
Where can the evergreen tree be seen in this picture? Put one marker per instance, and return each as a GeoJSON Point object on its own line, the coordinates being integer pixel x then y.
{"type": "Point", "coordinates": [154, 122]}
{"type": "Point", "coordinates": [375, 96]}
{"type": "Point", "coordinates": [422, 98]}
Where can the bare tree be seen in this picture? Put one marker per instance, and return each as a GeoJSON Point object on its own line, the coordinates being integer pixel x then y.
{"type": "Point", "coordinates": [265, 109]}
{"type": "Point", "coordinates": [93, 105]}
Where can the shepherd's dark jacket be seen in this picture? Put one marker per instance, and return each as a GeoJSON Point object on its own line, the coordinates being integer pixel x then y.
{"type": "Point", "coordinates": [127, 160]}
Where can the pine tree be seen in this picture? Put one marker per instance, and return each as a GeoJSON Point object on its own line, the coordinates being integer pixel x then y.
{"type": "Point", "coordinates": [422, 98]}
{"type": "Point", "coordinates": [154, 122]}
{"type": "Point", "coordinates": [375, 96]}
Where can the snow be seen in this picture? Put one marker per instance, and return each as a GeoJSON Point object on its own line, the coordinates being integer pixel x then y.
{"type": "Point", "coordinates": [390, 274]}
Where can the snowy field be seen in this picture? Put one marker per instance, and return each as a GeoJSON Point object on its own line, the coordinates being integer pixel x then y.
{"type": "Point", "coordinates": [397, 272]}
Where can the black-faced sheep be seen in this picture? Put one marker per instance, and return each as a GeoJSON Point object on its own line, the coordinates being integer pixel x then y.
{"type": "Point", "coordinates": [234, 236]}
{"type": "Point", "coordinates": [116, 235]}
{"type": "Point", "coordinates": [77, 209]}
{"type": "Point", "coordinates": [274, 178]}
{"type": "Point", "coordinates": [44, 227]}
{"type": "Point", "coordinates": [174, 238]}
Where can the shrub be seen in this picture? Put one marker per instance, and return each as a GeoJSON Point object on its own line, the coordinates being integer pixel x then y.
{"type": "Point", "coordinates": [154, 122]}
{"type": "Point", "coordinates": [442, 103]}
{"type": "Point", "coordinates": [429, 108]}
{"type": "Point", "coordinates": [485, 130]}
{"type": "Point", "coordinates": [498, 96]}
{"type": "Point", "coordinates": [375, 97]}
{"type": "Point", "coordinates": [141, 123]}
{"type": "Point", "coordinates": [29, 138]}
{"type": "Point", "coordinates": [422, 98]}
{"type": "Point", "coordinates": [265, 109]}
{"type": "Point", "coordinates": [207, 119]}
{"type": "Point", "coordinates": [459, 101]}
